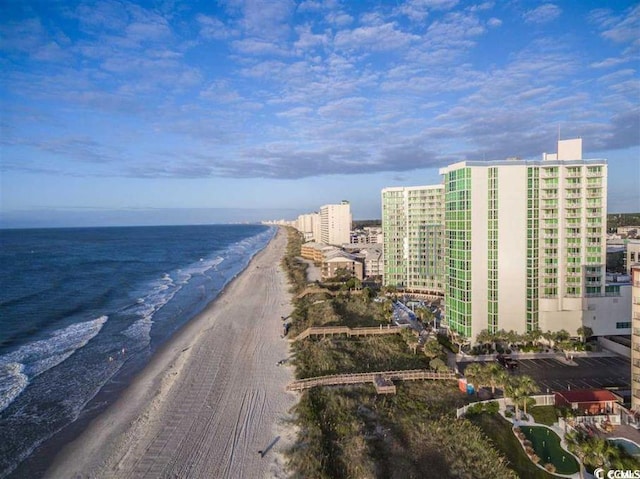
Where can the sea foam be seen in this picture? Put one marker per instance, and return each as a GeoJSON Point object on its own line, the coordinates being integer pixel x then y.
{"type": "Point", "coordinates": [32, 359]}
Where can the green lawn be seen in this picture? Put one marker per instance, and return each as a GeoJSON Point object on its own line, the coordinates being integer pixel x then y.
{"type": "Point", "coordinates": [544, 414]}
{"type": "Point", "coordinates": [499, 431]}
{"type": "Point", "coordinates": [546, 444]}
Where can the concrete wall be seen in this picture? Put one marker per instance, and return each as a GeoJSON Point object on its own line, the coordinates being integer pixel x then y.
{"type": "Point", "coordinates": [602, 313]}
{"type": "Point", "coordinates": [615, 347]}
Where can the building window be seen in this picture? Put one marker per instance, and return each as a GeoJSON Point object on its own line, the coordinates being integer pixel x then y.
{"type": "Point", "coordinates": [623, 325]}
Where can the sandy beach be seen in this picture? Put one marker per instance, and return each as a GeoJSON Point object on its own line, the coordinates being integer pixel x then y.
{"type": "Point", "coordinates": [210, 399]}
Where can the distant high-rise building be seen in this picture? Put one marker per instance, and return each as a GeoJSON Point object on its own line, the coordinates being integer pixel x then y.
{"type": "Point", "coordinates": [412, 225]}
{"type": "Point", "coordinates": [524, 241]}
{"type": "Point", "coordinates": [309, 226]}
{"type": "Point", "coordinates": [335, 223]}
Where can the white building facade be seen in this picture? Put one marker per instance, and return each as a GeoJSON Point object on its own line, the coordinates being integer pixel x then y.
{"type": "Point", "coordinates": [309, 226]}
{"type": "Point", "coordinates": [335, 223]}
{"type": "Point", "coordinates": [524, 241]}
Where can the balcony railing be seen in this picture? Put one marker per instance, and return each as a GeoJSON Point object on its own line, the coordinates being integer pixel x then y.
{"type": "Point", "coordinates": [592, 174]}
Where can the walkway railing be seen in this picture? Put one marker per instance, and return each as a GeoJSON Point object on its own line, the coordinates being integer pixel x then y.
{"type": "Point", "coordinates": [331, 330]}
{"type": "Point", "coordinates": [359, 378]}
{"type": "Point", "coordinates": [541, 400]}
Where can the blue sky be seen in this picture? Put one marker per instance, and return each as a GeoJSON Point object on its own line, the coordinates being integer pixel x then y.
{"type": "Point", "coordinates": [117, 112]}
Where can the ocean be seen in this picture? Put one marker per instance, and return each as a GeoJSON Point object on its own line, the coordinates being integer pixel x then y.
{"type": "Point", "coordinates": [83, 309]}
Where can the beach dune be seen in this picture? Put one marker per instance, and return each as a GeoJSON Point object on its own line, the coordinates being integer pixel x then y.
{"type": "Point", "coordinates": [212, 402]}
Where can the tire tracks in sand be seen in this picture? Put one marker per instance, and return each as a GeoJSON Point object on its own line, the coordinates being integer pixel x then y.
{"type": "Point", "coordinates": [223, 399]}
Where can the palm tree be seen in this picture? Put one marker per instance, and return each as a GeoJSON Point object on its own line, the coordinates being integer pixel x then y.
{"type": "Point", "coordinates": [599, 452]}
{"type": "Point", "coordinates": [562, 335]}
{"type": "Point", "coordinates": [512, 391]}
{"type": "Point", "coordinates": [527, 387]}
{"type": "Point", "coordinates": [533, 335]}
{"type": "Point", "coordinates": [584, 332]}
{"type": "Point", "coordinates": [518, 389]}
{"type": "Point", "coordinates": [432, 348]}
{"type": "Point", "coordinates": [496, 376]}
{"type": "Point", "coordinates": [485, 337]}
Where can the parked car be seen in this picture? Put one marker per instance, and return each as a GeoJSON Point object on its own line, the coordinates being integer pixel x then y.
{"type": "Point", "coordinates": [507, 362]}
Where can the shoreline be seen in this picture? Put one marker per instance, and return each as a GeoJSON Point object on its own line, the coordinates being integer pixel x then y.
{"type": "Point", "coordinates": [209, 399]}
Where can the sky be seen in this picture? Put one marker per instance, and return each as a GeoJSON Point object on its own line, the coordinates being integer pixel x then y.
{"type": "Point", "coordinates": [169, 112]}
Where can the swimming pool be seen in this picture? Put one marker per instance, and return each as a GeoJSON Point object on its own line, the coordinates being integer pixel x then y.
{"type": "Point", "coordinates": [631, 447]}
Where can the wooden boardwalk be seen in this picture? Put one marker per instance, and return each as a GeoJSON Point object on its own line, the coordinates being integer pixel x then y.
{"type": "Point", "coordinates": [331, 330]}
{"type": "Point", "coordinates": [359, 378]}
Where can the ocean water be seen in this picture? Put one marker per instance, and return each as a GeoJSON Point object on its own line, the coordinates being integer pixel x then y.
{"type": "Point", "coordinates": [80, 308]}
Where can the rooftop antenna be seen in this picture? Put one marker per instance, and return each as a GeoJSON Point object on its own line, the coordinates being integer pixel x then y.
{"type": "Point", "coordinates": [558, 132]}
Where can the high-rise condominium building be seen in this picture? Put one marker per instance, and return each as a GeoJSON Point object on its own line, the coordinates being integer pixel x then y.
{"type": "Point", "coordinates": [635, 337]}
{"type": "Point", "coordinates": [335, 223]}
{"type": "Point", "coordinates": [524, 241]}
{"type": "Point", "coordinates": [309, 226]}
{"type": "Point", "coordinates": [412, 226]}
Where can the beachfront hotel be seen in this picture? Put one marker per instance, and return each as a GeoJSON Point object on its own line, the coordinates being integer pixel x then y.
{"type": "Point", "coordinates": [412, 225]}
{"type": "Point", "coordinates": [335, 223]}
{"type": "Point", "coordinates": [523, 241]}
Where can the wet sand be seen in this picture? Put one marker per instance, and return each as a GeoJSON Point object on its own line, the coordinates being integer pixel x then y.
{"type": "Point", "coordinates": [210, 399]}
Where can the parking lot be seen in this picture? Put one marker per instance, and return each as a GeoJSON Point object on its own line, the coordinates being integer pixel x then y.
{"type": "Point", "coordinates": [591, 372]}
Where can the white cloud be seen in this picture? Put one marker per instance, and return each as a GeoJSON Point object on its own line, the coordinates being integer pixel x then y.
{"type": "Point", "coordinates": [213, 28]}
{"type": "Point", "coordinates": [374, 38]}
{"type": "Point", "coordinates": [618, 28]}
{"type": "Point", "coordinates": [339, 19]}
{"type": "Point", "coordinates": [494, 22]}
{"type": "Point", "coordinates": [542, 14]}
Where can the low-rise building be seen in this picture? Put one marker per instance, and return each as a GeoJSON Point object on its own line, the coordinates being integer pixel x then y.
{"type": "Point", "coordinates": [632, 253]}
{"type": "Point", "coordinates": [588, 401]}
{"type": "Point", "coordinates": [372, 257]}
{"type": "Point", "coordinates": [316, 251]}
{"type": "Point", "coordinates": [628, 231]}
{"type": "Point", "coordinates": [341, 260]}
{"type": "Point", "coordinates": [367, 235]}
{"type": "Point", "coordinates": [609, 314]}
